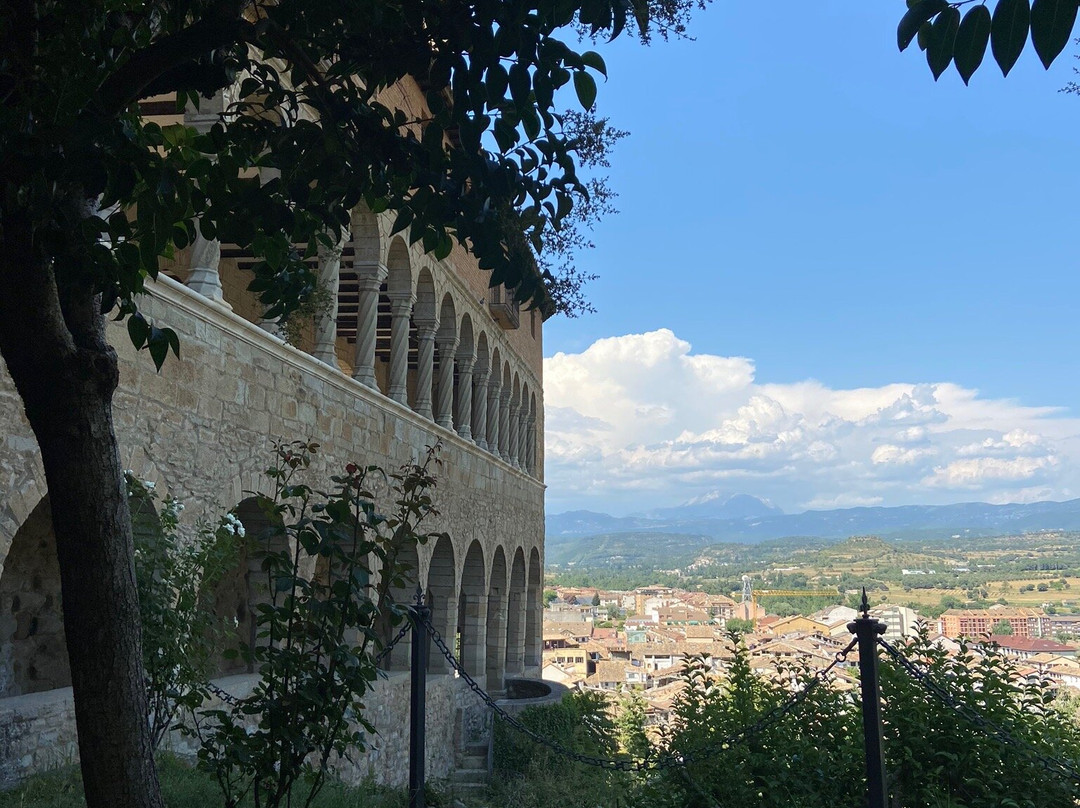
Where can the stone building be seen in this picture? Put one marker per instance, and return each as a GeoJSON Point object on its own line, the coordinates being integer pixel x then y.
{"type": "Point", "coordinates": [406, 351]}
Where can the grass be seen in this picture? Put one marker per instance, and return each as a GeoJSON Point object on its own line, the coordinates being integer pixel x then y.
{"type": "Point", "coordinates": [185, 787]}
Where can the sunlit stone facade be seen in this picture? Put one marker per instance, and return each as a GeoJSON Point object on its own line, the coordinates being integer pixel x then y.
{"type": "Point", "coordinates": [404, 352]}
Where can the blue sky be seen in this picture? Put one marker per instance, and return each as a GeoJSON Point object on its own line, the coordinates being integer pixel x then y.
{"type": "Point", "coordinates": [797, 192]}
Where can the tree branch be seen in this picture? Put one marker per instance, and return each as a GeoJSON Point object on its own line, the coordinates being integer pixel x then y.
{"type": "Point", "coordinates": [144, 68]}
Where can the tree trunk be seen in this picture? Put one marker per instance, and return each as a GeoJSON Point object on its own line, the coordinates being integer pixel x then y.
{"type": "Point", "coordinates": [52, 339]}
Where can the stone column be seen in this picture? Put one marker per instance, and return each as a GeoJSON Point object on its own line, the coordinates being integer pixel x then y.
{"type": "Point", "coordinates": [513, 441]}
{"type": "Point", "coordinates": [400, 312]}
{"type": "Point", "coordinates": [496, 639]}
{"type": "Point", "coordinates": [473, 608]}
{"type": "Point", "coordinates": [515, 632]}
{"type": "Point", "coordinates": [370, 279]}
{"type": "Point", "coordinates": [493, 413]}
{"type": "Point", "coordinates": [504, 424]}
{"type": "Point", "coordinates": [326, 329]}
{"type": "Point", "coordinates": [205, 261]}
{"type": "Point", "coordinates": [448, 342]}
{"type": "Point", "coordinates": [480, 406]}
{"type": "Point", "coordinates": [530, 446]}
{"type": "Point", "coordinates": [523, 431]}
{"type": "Point", "coordinates": [463, 416]}
{"type": "Point", "coordinates": [425, 363]}
{"type": "Point", "coordinates": [269, 326]}
{"type": "Point", "coordinates": [205, 277]}
{"type": "Point", "coordinates": [444, 616]}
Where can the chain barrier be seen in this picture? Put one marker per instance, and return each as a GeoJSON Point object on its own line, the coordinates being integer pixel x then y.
{"type": "Point", "coordinates": [224, 695]}
{"type": "Point", "coordinates": [406, 626]}
{"type": "Point", "coordinates": [974, 717]}
{"type": "Point", "coordinates": [660, 762]}
{"type": "Point", "coordinates": [230, 699]}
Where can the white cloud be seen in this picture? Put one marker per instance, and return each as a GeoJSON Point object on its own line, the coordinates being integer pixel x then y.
{"type": "Point", "coordinates": [888, 453]}
{"type": "Point", "coordinates": [639, 421]}
{"type": "Point", "coordinates": [973, 473]}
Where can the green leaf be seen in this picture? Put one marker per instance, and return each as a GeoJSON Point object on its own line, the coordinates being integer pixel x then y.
{"type": "Point", "coordinates": [971, 40]}
{"type": "Point", "coordinates": [1008, 32]}
{"type": "Point", "coordinates": [138, 330]}
{"type": "Point", "coordinates": [595, 61]}
{"type": "Point", "coordinates": [924, 35]}
{"type": "Point", "coordinates": [585, 86]}
{"type": "Point", "coordinates": [158, 347]}
{"type": "Point", "coordinates": [939, 52]}
{"type": "Point", "coordinates": [496, 81]}
{"type": "Point", "coordinates": [641, 14]}
{"type": "Point", "coordinates": [917, 14]}
{"type": "Point", "coordinates": [1051, 24]}
{"type": "Point", "coordinates": [401, 221]}
{"type": "Point", "coordinates": [520, 83]}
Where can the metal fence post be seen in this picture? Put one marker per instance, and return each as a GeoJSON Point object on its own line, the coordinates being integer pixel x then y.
{"type": "Point", "coordinates": [867, 629]}
{"type": "Point", "coordinates": [418, 615]}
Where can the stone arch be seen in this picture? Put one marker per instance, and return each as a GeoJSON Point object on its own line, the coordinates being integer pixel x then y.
{"type": "Point", "coordinates": [516, 617]}
{"type": "Point", "coordinates": [523, 426]}
{"type": "Point", "coordinates": [472, 611]}
{"type": "Point", "coordinates": [534, 436]}
{"type": "Point", "coordinates": [482, 369]}
{"type": "Point", "coordinates": [505, 392]}
{"type": "Point", "coordinates": [425, 295]}
{"type": "Point", "coordinates": [399, 278]}
{"type": "Point", "coordinates": [448, 319]}
{"type": "Point", "coordinates": [360, 256]}
{"type": "Point", "coordinates": [422, 346]}
{"type": "Point", "coordinates": [366, 242]}
{"type": "Point", "coordinates": [33, 651]}
{"type": "Point", "coordinates": [20, 503]}
{"type": "Point", "coordinates": [442, 597]}
{"type": "Point", "coordinates": [395, 293]}
{"type": "Point", "coordinates": [534, 599]}
{"type": "Point", "coordinates": [513, 443]}
{"type": "Point", "coordinates": [464, 361]}
{"type": "Point", "coordinates": [397, 589]}
{"type": "Point", "coordinates": [496, 621]}
{"type": "Point", "coordinates": [446, 341]}
{"type": "Point", "coordinates": [494, 387]}
{"type": "Point", "coordinates": [246, 585]}
{"type": "Point", "coordinates": [483, 351]}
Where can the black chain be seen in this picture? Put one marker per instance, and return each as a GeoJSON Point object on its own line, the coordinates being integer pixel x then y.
{"type": "Point", "coordinates": [390, 645]}
{"type": "Point", "coordinates": [974, 717]}
{"type": "Point", "coordinates": [662, 761]}
{"type": "Point", "coordinates": [224, 695]}
{"type": "Point", "coordinates": [229, 698]}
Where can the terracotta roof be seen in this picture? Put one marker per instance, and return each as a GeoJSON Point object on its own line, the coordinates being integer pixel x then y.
{"type": "Point", "coordinates": [1031, 644]}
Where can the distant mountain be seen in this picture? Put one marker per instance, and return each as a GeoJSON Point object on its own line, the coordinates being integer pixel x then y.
{"type": "Point", "coordinates": [590, 523]}
{"type": "Point", "coordinates": [719, 505]}
{"type": "Point", "coordinates": [660, 551]}
{"type": "Point", "coordinates": [763, 522]}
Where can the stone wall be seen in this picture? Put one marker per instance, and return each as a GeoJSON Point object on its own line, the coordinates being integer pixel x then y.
{"type": "Point", "coordinates": [203, 429]}
{"type": "Point", "coordinates": [37, 732]}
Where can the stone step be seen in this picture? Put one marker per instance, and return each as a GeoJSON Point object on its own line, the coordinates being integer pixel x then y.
{"type": "Point", "coordinates": [473, 762]}
{"type": "Point", "coordinates": [469, 776]}
{"type": "Point", "coordinates": [467, 790]}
